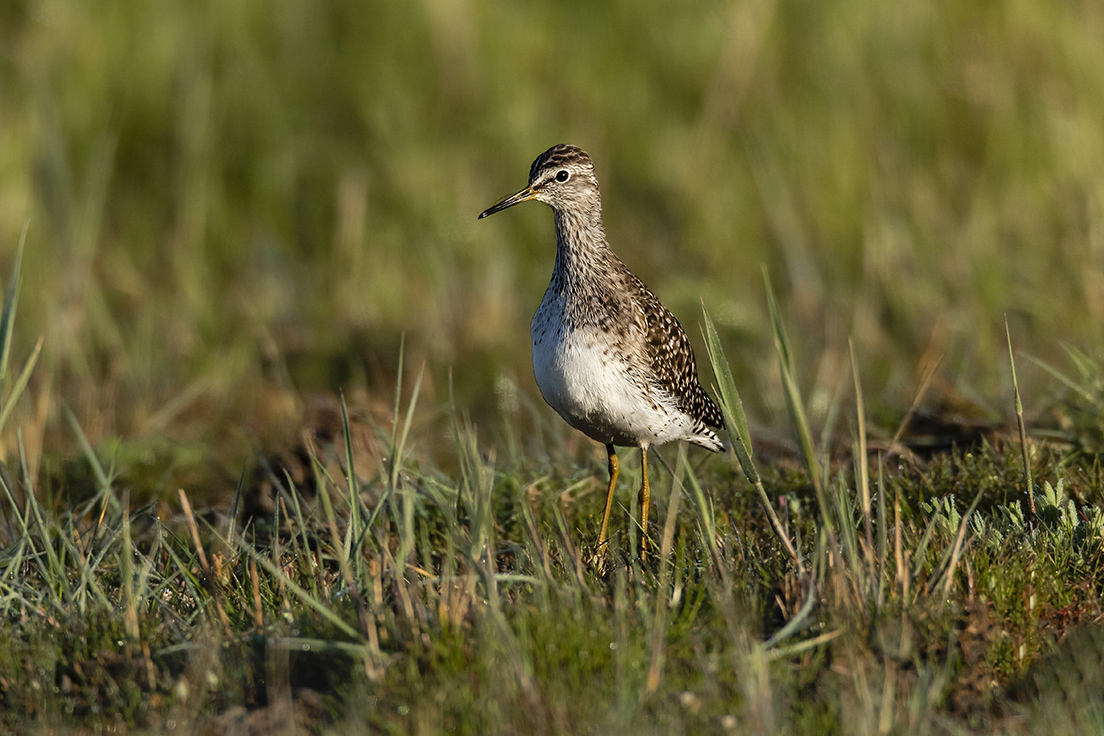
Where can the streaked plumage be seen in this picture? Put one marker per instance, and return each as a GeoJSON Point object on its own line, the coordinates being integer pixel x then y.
{"type": "Point", "coordinates": [607, 355]}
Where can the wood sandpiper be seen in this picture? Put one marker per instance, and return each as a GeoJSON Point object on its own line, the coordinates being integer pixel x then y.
{"type": "Point", "coordinates": [607, 355]}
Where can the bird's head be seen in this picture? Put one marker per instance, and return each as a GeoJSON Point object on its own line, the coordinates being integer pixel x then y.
{"type": "Point", "coordinates": [562, 177]}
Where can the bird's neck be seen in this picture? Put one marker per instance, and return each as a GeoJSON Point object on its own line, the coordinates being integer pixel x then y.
{"type": "Point", "coordinates": [580, 242]}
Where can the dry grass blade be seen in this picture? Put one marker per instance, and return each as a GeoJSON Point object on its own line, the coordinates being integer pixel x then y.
{"type": "Point", "coordinates": [255, 584]}
{"type": "Point", "coordinates": [189, 518]}
{"type": "Point", "coordinates": [804, 646]}
{"type": "Point", "coordinates": [883, 541]}
{"type": "Point", "coordinates": [898, 552]}
{"type": "Point", "coordinates": [126, 556]}
{"type": "Point", "coordinates": [208, 574]}
{"type": "Point", "coordinates": [862, 470]}
{"type": "Point", "coordinates": [925, 382]}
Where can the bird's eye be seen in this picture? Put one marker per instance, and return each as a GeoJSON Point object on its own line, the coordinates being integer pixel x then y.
{"type": "Point", "coordinates": [563, 175]}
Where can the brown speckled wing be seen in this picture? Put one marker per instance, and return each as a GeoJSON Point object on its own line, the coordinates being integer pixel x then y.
{"type": "Point", "coordinates": [672, 359]}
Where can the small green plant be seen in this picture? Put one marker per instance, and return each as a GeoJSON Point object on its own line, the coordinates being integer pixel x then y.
{"type": "Point", "coordinates": [944, 512]}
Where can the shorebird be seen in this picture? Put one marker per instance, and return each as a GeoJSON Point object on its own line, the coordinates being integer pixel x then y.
{"type": "Point", "coordinates": [607, 355]}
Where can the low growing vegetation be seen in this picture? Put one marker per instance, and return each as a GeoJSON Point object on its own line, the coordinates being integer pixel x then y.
{"type": "Point", "coordinates": [910, 594]}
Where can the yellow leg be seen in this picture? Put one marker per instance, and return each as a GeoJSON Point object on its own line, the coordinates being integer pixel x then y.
{"type": "Point", "coordinates": [614, 469]}
{"type": "Point", "coordinates": [645, 501]}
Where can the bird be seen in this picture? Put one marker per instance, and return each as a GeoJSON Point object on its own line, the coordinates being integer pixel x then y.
{"type": "Point", "coordinates": [608, 356]}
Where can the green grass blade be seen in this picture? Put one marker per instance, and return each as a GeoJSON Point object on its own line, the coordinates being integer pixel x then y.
{"type": "Point", "coordinates": [11, 301]}
{"type": "Point", "coordinates": [393, 464]}
{"type": "Point", "coordinates": [1070, 383]}
{"type": "Point", "coordinates": [303, 595]}
{"type": "Point", "coordinates": [54, 570]}
{"type": "Point", "coordinates": [793, 393]}
{"type": "Point", "coordinates": [735, 419]}
{"type": "Point", "coordinates": [953, 553]}
{"type": "Point", "coordinates": [922, 547]}
{"type": "Point", "coordinates": [102, 478]}
{"type": "Point", "coordinates": [354, 491]}
{"type": "Point", "coordinates": [799, 620]}
{"type": "Point", "coordinates": [705, 516]}
{"type": "Point", "coordinates": [1020, 421]}
{"type": "Point", "coordinates": [302, 542]}
{"type": "Point", "coordinates": [796, 410]}
{"type": "Point", "coordinates": [733, 410]}
{"type": "Point", "coordinates": [235, 509]}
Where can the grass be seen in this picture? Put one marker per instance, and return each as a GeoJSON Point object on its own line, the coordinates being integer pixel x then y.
{"type": "Point", "coordinates": [416, 600]}
{"type": "Point", "coordinates": [271, 452]}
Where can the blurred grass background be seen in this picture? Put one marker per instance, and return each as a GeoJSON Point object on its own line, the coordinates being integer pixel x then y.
{"type": "Point", "coordinates": [233, 205]}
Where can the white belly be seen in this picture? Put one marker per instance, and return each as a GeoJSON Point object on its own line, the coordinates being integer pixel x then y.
{"type": "Point", "coordinates": [588, 383]}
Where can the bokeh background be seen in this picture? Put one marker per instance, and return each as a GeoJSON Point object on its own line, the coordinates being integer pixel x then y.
{"type": "Point", "coordinates": [234, 206]}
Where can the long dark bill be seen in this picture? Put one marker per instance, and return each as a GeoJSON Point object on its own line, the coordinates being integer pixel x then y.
{"type": "Point", "coordinates": [523, 196]}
